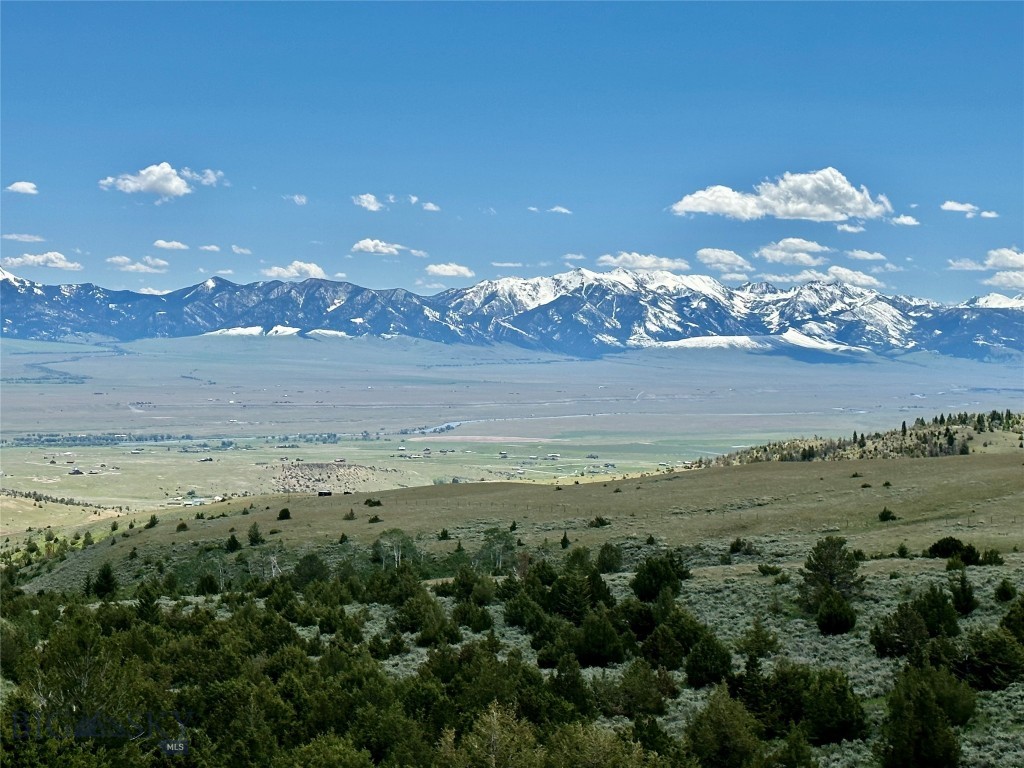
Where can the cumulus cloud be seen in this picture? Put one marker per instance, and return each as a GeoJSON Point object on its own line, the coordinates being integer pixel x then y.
{"type": "Point", "coordinates": [23, 238]}
{"type": "Point", "coordinates": [969, 265]}
{"type": "Point", "coordinates": [431, 207]}
{"type": "Point", "coordinates": [794, 251]}
{"type": "Point", "coordinates": [559, 209]}
{"type": "Point", "coordinates": [50, 259]}
{"type": "Point", "coordinates": [207, 177]}
{"type": "Point", "coordinates": [865, 255]}
{"type": "Point", "coordinates": [641, 261]}
{"type": "Point", "coordinates": [887, 267]}
{"type": "Point", "coordinates": [905, 221]}
{"type": "Point", "coordinates": [147, 264]}
{"type": "Point", "coordinates": [824, 195]}
{"type": "Point", "coordinates": [295, 270]}
{"type": "Point", "coordinates": [379, 247]}
{"type": "Point", "coordinates": [1005, 258]}
{"type": "Point", "coordinates": [574, 257]}
{"type": "Point", "coordinates": [212, 248]}
{"type": "Point", "coordinates": [722, 259]}
{"type": "Point", "coordinates": [154, 291]}
{"type": "Point", "coordinates": [170, 245]}
{"type": "Point", "coordinates": [23, 188]}
{"type": "Point", "coordinates": [418, 253]}
{"type": "Point", "coordinates": [834, 273]}
{"type": "Point", "coordinates": [532, 208]}
{"type": "Point", "coordinates": [734, 277]}
{"type": "Point", "coordinates": [849, 227]}
{"type": "Point", "coordinates": [368, 202]}
{"type": "Point", "coordinates": [449, 270]}
{"type": "Point", "coordinates": [1013, 280]}
{"type": "Point", "coordinates": [970, 210]}
{"type": "Point", "coordinates": [506, 264]}
{"type": "Point", "coordinates": [237, 249]}
{"type": "Point", "coordinates": [161, 180]}
{"type": "Point", "coordinates": [989, 215]}
{"type": "Point", "coordinates": [297, 199]}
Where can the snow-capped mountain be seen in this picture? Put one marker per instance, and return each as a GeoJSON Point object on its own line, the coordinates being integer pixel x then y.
{"type": "Point", "coordinates": [581, 313]}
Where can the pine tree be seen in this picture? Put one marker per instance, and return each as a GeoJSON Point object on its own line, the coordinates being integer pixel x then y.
{"type": "Point", "coordinates": [106, 583]}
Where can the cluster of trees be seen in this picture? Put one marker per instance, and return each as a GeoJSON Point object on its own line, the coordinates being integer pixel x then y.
{"type": "Point", "coordinates": [286, 671]}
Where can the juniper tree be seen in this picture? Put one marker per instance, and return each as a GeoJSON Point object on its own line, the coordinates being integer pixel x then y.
{"type": "Point", "coordinates": [830, 566]}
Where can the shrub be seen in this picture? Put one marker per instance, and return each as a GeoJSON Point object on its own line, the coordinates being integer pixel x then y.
{"type": "Point", "coordinates": [599, 522]}
{"type": "Point", "coordinates": [830, 565]}
{"type": "Point", "coordinates": [758, 641]}
{"type": "Point", "coordinates": [742, 547]}
{"type": "Point", "coordinates": [992, 557]}
{"type": "Point", "coordinates": [565, 540]}
{"type": "Point", "coordinates": [657, 573]}
{"type": "Point", "coordinates": [444, 535]}
{"type": "Point", "coordinates": [886, 515]}
{"type": "Point", "coordinates": [105, 584]}
{"type": "Point", "coordinates": [350, 515]}
{"type": "Point", "coordinates": [1013, 621]}
{"type": "Point", "coordinates": [182, 526]}
{"type": "Point", "coordinates": [916, 731]}
{"type": "Point", "coordinates": [1005, 591]}
{"type": "Point", "coordinates": [233, 545]}
{"type": "Point", "coordinates": [768, 570]}
{"type": "Point", "coordinates": [992, 660]}
{"type": "Point", "coordinates": [902, 633]}
{"type": "Point", "coordinates": [964, 600]}
{"type": "Point", "coordinates": [284, 514]}
{"type": "Point", "coordinates": [370, 502]}
{"type": "Point", "coordinates": [708, 663]}
{"type": "Point", "coordinates": [945, 547]}
{"type": "Point", "coordinates": [935, 607]}
{"type": "Point", "coordinates": [207, 585]}
{"type": "Point", "coordinates": [724, 733]}
{"type": "Point", "coordinates": [153, 520]}
{"type": "Point", "coordinates": [609, 558]}
{"type": "Point", "coordinates": [835, 615]}
{"type": "Point", "coordinates": [833, 711]}
{"type": "Point", "coordinates": [255, 537]}
{"type": "Point", "coordinates": [375, 519]}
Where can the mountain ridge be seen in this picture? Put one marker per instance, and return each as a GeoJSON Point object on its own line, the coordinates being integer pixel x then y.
{"type": "Point", "coordinates": [580, 312]}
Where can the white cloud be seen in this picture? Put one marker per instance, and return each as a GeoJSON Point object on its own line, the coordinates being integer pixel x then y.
{"type": "Point", "coordinates": [849, 227]}
{"type": "Point", "coordinates": [391, 198]}
{"type": "Point", "coordinates": [449, 270]}
{"type": "Point", "coordinates": [418, 253]}
{"type": "Point", "coordinates": [1012, 279]}
{"type": "Point", "coordinates": [489, 211]}
{"type": "Point", "coordinates": [295, 270]}
{"type": "Point", "coordinates": [887, 267]}
{"type": "Point", "coordinates": [369, 202]}
{"type": "Point", "coordinates": [574, 257]}
{"type": "Point", "coordinates": [506, 264]}
{"type": "Point", "coordinates": [559, 209]}
{"type": "Point", "coordinates": [865, 255]}
{"type": "Point", "coordinates": [161, 180]}
{"type": "Point", "coordinates": [24, 238]}
{"type": "Point", "coordinates": [794, 251]}
{"type": "Point", "coordinates": [734, 277]}
{"type": "Point", "coordinates": [1005, 258]}
{"type": "Point", "coordinates": [532, 208]}
{"type": "Point", "coordinates": [964, 265]}
{"type": "Point", "coordinates": [170, 245]}
{"type": "Point", "coordinates": [429, 286]}
{"type": "Point", "coordinates": [989, 215]}
{"type": "Point", "coordinates": [225, 272]}
{"type": "Point", "coordinates": [212, 248]}
{"type": "Point", "coordinates": [379, 247]}
{"type": "Point", "coordinates": [970, 210]}
{"type": "Point", "coordinates": [339, 275]}
{"type": "Point", "coordinates": [241, 251]}
{"type": "Point", "coordinates": [824, 195]}
{"type": "Point", "coordinates": [722, 259]}
{"type": "Point", "coordinates": [297, 199]}
{"type": "Point", "coordinates": [24, 188]}
{"type": "Point", "coordinates": [147, 264]}
{"type": "Point", "coordinates": [632, 260]}
{"type": "Point", "coordinates": [842, 274]}
{"type": "Point", "coordinates": [154, 291]}
{"type": "Point", "coordinates": [413, 199]}
{"type": "Point", "coordinates": [206, 177]}
{"type": "Point", "coordinates": [905, 220]}
{"type": "Point", "coordinates": [50, 259]}
{"type": "Point", "coordinates": [431, 207]}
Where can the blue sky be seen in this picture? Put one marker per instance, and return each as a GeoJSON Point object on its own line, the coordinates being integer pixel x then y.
{"type": "Point", "coordinates": [151, 145]}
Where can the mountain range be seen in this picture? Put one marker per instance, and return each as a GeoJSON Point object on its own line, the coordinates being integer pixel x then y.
{"type": "Point", "coordinates": [580, 313]}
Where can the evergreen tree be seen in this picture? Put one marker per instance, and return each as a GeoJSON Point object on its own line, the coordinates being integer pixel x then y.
{"type": "Point", "coordinates": [106, 583]}
{"type": "Point", "coordinates": [830, 565]}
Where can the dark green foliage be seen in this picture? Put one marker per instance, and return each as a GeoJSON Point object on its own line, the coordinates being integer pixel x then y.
{"type": "Point", "coordinates": [835, 615]}
{"type": "Point", "coordinates": [935, 607]}
{"type": "Point", "coordinates": [758, 641]}
{"type": "Point", "coordinates": [609, 558]}
{"type": "Point", "coordinates": [375, 519]}
{"type": "Point", "coordinates": [444, 535]}
{"type": "Point", "coordinates": [565, 540]}
{"type": "Point", "coordinates": [476, 617]}
{"type": "Point", "coordinates": [887, 515]}
{"type": "Point", "coordinates": [1005, 591]}
{"type": "Point", "coordinates": [370, 502]}
{"type": "Point", "coordinates": [992, 557]}
{"type": "Point", "coordinates": [284, 514]}
{"type": "Point", "coordinates": [830, 565]}
{"type": "Point", "coordinates": [599, 643]}
{"type": "Point", "coordinates": [350, 515]}
{"type": "Point", "coordinates": [794, 752]}
{"type": "Point", "coordinates": [708, 663]}
{"type": "Point", "coordinates": [945, 547]}
{"type": "Point", "coordinates": [768, 570]}
{"type": "Point", "coordinates": [833, 711]}
{"type": "Point", "coordinates": [740, 546]}
{"type": "Point", "coordinates": [232, 544]}
{"type": "Point", "coordinates": [310, 568]}
{"type": "Point", "coordinates": [917, 731]}
{"type": "Point", "coordinates": [105, 585]}
{"type": "Point", "coordinates": [153, 520]}
{"type": "Point", "coordinates": [182, 526]}
{"type": "Point", "coordinates": [207, 585]}
{"type": "Point", "coordinates": [255, 537]}
{"type": "Point", "coordinates": [962, 591]}
{"type": "Point", "coordinates": [661, 648]}
{"type": "Point", "coordinates": [599, 522]}
{"type": "Point", "coordinates": [1013, 621]}
{"type": "Point", "coordinates": [991, 660]}
{"type": "Point", "coordinates": [724, 734]}
{"type": "Point", "coordinates": [902, 633]}
{"type": "Point", "coordinates": [657, 573]}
